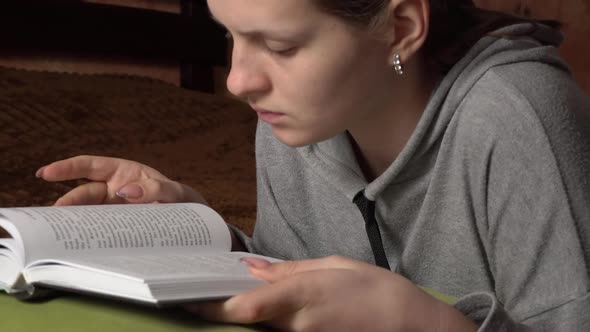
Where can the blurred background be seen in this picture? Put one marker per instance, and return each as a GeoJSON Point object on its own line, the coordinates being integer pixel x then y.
{"type": "Point", "coordinates": [575, 14]}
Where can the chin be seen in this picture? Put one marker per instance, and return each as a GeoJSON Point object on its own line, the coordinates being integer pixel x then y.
{"type": "Point", "coordinates": [293, 142]}
{"type": "Point", "coordinates": [296, 139]}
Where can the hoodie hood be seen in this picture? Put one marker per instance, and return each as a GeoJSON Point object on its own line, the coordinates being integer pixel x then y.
{"type": "Point", "coordinates": [334, 159]}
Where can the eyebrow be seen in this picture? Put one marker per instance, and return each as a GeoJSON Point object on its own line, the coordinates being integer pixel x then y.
{"type": "Point", "coordinates": [253, 33]}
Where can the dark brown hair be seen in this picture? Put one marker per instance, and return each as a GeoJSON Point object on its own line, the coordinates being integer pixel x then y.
{"type": "Point", "coordinates": [455, 25]}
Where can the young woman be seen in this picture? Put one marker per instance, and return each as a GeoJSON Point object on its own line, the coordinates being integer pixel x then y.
{"type": "Point", "coordinates": [447, 145]}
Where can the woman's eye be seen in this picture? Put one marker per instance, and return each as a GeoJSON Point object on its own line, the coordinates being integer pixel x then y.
{"type": "Point", "coordinates": [282, 51]}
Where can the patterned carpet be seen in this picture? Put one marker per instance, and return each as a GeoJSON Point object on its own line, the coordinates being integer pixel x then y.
{"type": "Point", "coordinates": [205, 141]}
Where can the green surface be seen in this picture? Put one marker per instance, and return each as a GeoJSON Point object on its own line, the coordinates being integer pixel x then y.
{"type": "Point", "coordinates": [79, 313]}
{"type": "Point", "coordinates": [440, 296]}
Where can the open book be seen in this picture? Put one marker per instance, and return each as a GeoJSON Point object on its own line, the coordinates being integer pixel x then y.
{"type": "Point", "coordinates": [151, 253]}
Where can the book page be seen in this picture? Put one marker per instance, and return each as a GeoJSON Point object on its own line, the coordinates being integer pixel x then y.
{"type": "Point", "coordinates": [10, 246]}
{"type": "Point", "coordinates": [9, 272]}
{"type": "Point", "coordinates": [168, 268]}
{"type": "Point", "coordinates": [165, 278]}
{"type": "Point", "coordinates": [100, 230]}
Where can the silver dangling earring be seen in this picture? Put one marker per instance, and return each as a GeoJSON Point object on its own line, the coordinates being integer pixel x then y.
{"type": "Point", "coordinates": [397, 64]}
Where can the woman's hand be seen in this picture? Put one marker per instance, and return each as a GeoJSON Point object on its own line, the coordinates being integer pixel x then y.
{"type": "Point", "coordinates": [335, 294]}
{"type": "Point", "coordinates": [114, 180]}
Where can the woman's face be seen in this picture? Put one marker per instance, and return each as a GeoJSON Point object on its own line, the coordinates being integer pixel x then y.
{"type": "Point", "coordinates": [309, 74]}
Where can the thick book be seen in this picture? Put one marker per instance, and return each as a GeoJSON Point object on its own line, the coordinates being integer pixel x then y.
{"type": "Point", "coordinates": [157, 254]}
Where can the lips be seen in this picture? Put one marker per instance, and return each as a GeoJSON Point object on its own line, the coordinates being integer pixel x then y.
{"type": "Point", "coordinates": [268, 116]}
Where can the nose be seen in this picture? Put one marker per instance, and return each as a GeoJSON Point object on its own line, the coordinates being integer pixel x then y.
{"type": "Point", "coordinates": [246, 78]}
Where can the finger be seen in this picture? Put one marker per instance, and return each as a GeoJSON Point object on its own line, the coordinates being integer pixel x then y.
{"type": "Point", "coordinates": [279, 271]}
{"type": "Point", "coordinates": [152, 190]}
{"type": "Point", "coordinates": [94, 168]}
{"type": "Point", "coordinates": [86, 194]}
{"type": "Point", "coordinates": [270, 302]}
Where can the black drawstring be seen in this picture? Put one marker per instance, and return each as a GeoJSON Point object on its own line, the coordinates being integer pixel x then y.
{"type": "Point", "coordinates": [367, 209]}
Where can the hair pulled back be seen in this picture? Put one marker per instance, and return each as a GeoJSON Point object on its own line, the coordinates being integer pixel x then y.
{"type": "Point", "coordinates": [455, 25]}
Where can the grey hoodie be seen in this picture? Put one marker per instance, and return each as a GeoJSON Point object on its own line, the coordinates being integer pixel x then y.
{"type": "Point", "coordinates": [489, 201]}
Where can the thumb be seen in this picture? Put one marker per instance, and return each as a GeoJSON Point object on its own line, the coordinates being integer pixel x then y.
{"type": "Point", "coordinates": [132, 192]}
{"type": "Point", "coordinates": [273, 272]}
{"type": "Point", "coordinates": [163, 191]}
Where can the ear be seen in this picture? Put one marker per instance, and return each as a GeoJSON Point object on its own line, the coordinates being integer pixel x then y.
{"type": "Point", "coordinates": [407, 27]}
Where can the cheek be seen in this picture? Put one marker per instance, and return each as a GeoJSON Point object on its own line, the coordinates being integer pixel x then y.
{"type": "Point", "coordinates": [322, 102]}
{"type": "Point", "coordinates": [333, 86]}
{"type": "Point", "coordinates": [327, 90]}
{"type": "Point", "coordinates": [312, 97]}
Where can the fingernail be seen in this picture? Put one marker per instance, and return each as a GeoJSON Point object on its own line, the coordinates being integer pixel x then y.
{"type": "Point", "coordinates": [39, 172]}
{"type": "Point", "coordinates": [132, 191]}
{"type": "Point", "coordinates": [258, 263]}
